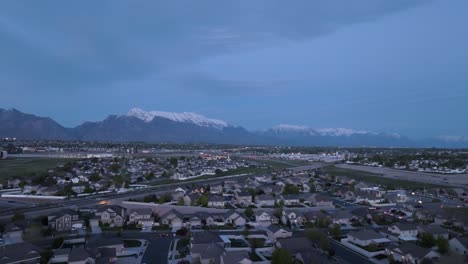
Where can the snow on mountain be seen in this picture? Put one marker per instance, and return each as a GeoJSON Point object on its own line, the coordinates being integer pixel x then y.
{"type": "Point", "coordinates": [452, 138]}
{"type": "Point", "coordinates": [284, 127]}
{"type": "Point", "coordinates": [336, 132]}
{"type": "Point", "coordinates": [184, 117]}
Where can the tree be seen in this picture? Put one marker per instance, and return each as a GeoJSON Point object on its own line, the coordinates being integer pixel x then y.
{"type": "Point", "coordinates": [278, 213]}
{"type": "Point", "coordinates": [57, 243]}
{"type": "Point", "coordinates": [149, 176]}
{"type": "Point", "coordinates": [281, 256]}
{"type": "Point", "coordinates": [182, 232]}
{"type": "Point", "coordinates": [174, 162]}
{"type": "Point", "coordinates": [335, 230]}
{"type": "Point", "coordinates": [248, 212]}
{"type": "Point", "coordinates": [427, 240]}
{"type": "Point", "coordinates": [318, 238]}
{"type": "Point", "coordinates": [203, 201]}
{"type": "Point", "coordinates": [17, 217]}
{"type": "Point", "coordinates": [443, 245]}
{"type": "Point", "coordinates": [181, 201]}
{"type": "Point", "coordinates": [252, 192]}
{"type": "Point", "coordinates": [245, 232]}
{"type": "Point", "coordinates": [94, 177]}
{"type": "Point", "coordinates": [291, 189]}
{"type": "Point", "coordinates": [312, 188]}
{"type": "Point", "coordinates": [46, 256]}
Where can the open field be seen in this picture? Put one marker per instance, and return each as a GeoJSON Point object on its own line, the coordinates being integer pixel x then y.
{"type": "Point", "coordinates": [376, 178]}
{"type": "Point", "coordinates": [454, 180]}
{"type": "Point", "coordinates": [20, 167]}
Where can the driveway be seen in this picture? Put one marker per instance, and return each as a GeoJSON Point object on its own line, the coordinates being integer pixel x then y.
{"type": "Point", "coordinates": [95, 229]}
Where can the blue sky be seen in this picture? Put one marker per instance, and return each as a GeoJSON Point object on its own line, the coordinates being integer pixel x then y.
{"type": "Point", "coordinates": [392, 66]}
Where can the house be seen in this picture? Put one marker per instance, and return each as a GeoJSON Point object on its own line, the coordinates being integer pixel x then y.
{"type": "Point", "coordinates": [191, 199]}
{"type": "Point", "coordinates": [274, 232]}
{"type": "Point", "coordinates": [218, 189]}
{"type": "Point", "coordinates": [80, 188]}
{"type": "Point", "coordinates": [234, 218]}
{"type": "Point", "coordinates": [342, 217]}
{"type": "Point", "coordinates": [13, 233]}
{"type": "Point", "coordinates": [265, 200]}
{"type": "Point", "coordinates": [235, 257]}
{"type": "Point", "coordinates": [79, 255]}
{"type": "Point", "coordinates": [366, 237]}
{"type": "Point", "coordinates": [173, 219]}
{"type": "Point", "coordinates": [15, 183]}
{"type": "Point", "coordinates": [140, 215]}
{"type": "Point", "coordinates": [408, 252]}
{"type": "Point", "coordinates": [313, 216]}
{"type": "Point", "coordinates": [459, 245]}
{"type": "Point", "coordinates": [436, 230]}
{"type": "Point", "coordinates": [322, 201]}
{"type": "Point", "coordinates": [206, 247]}
{"type": "Point", "coordinates": [216, 201]}
{"type": "Point", "coordinates": [262, 218]}
{"type": "Point", "coordinates": [243, 199]}
{"type": "Point", "coordinates": [294, 218]}
{"type": "Point", "coordinates": [301, 249]}
{"type": "Point", "coordinates": [20, 253]}
{"type": "Point", "coordinates": [405, 232]}
{"type": "Point", "coordinates": [63, 220]}
{"type": "Point", "coordinates": [61, 255]}
{"type": "Point", "coordinates": [372, 197]}
{"type": "Point", "coordinates": [177, 194]}
{"type": "Point", "coordinates": [291, 199]}
{"type": "Point", "coordinates": [113, 215]}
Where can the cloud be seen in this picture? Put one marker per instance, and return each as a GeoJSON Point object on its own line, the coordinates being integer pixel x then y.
{"type": "Point", "coordinates": [56, 45]}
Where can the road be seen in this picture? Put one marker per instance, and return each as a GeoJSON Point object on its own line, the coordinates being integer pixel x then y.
{"type": "Point", "coordinates": [454, 180]}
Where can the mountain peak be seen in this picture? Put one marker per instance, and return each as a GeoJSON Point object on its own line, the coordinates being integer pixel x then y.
{"type": "Point", "coordinates": [337, 132]}
{"type": "Point", "coordinates": [184, 117]}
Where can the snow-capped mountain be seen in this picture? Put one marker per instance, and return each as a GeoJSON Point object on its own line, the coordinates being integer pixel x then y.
{"type": "Point", "coordinates": [303, 135]}
{"type": "Point", "coordinates": [157, 126]}
{"type": "Point", "coordinates": [184, 117]}
{"type": "Point", "coordinates": [336, 132]}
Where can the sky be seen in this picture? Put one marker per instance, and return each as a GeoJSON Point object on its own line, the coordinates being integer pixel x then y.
{"type": "Point", "coordinates": [385, 66]}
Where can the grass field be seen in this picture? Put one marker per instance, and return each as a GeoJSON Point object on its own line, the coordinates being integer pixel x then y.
{"type": "Point", "coordinates": [279, 165]}
{"type": "Point", "coordinates": [23, 167]}
{"type": "Point", "coordinates": [377, 178]}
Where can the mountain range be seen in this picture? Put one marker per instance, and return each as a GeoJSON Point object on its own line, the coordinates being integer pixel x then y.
{"type": "Point", "coordinates": [186, 127]}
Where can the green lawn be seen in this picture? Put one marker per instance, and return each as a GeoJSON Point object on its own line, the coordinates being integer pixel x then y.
{"type": "Point", "coordinates": [377, 178]}
{"type": "Point", "coordinates": [20, 167]}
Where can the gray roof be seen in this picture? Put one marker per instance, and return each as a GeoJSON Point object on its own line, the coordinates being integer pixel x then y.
{"type": "Point", "coordinates": [77, 254]}
{"type": "Point", "coordinates": [366, 235]}
{"type": "Point", "coordinates": [141, 211]}
{"type": "Point", "coordinates": [406, 227]}
{"type": "Point", "coordinates": [412, 249]}
{"type": "Point", "coordinates": [234, 257]}
{"type": "Point", "coordinates": [210, 251]}
{"type": "Point", "coordinates": [463, 241]}
{"type": "Point", "coordinates": [275, 228]}
{"type": "Point", "coordinates": [206, 237]}
{"type": "Point", "coordinates": [433, 229]}
{"type": "Point", "coordinates": [264, 197]}
{"type": "Point", "coordinates": [18, 253]}
{"type": "Point", "coordinates": [216, 198]}
{"type": "Point", "coordinates": [291, 197]}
